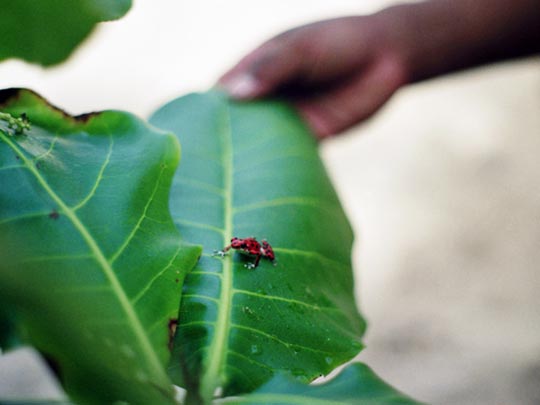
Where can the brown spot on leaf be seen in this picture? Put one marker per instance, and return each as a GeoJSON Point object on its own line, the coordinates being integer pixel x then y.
{"type": "Point", "coordinates": [86, 117]}
{"type": "Point", "coordinates": [11, 95]}
{"type": "Point", "coordinates": [54, 214]}
{"type": "Point", "coordinates": [173, 323]}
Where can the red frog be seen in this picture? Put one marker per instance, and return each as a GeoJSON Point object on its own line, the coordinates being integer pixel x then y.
{"type": "Point", "coordinates": [250, 246]}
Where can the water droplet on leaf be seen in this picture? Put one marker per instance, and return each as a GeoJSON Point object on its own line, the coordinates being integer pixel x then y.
{"type": "Point", "coordinates": [248, 311]}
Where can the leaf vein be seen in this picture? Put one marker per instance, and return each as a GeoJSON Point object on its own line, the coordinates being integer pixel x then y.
{"type": "Point", "coordinates": [198, 225]}
{"type": "Point", "coordinates": [10, 167]}
{"type": "Point", "coordinates": [289, 300]}
{"type": "Point", "coordinates": [249, 360]}
{"type": "Point", "coordinates": [205, 273]}
{"type": "Point", "coordinates": [202, 186]}
{"type": "Point", "coordinates": [25, 216]}
{"type": "Point", "coordinates": [310, 253]}
{"type": "Point", "coordinates": [279, 202]}
{"type": "Point", "coordinates": [144, 289]}
{"type": "Point", "coordinates": [48, 151]}
{"type": "Point", "coordinates": [204, 297]}
{"type": "Point", "coordinates": [137, 226]}
{"type": "Point", "coordinates": [276, 339]}
{"type": "Point", "coordinates": [99, 177]}
{"type": "Point", "coordinates": [59, 257]}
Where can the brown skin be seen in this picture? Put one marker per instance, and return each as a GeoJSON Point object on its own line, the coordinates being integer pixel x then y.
{"type": "Point", "coordinates": [339, 72]}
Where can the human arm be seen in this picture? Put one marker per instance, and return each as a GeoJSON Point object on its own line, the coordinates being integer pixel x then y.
{"type": "Point", "coordinates": [339, 72]}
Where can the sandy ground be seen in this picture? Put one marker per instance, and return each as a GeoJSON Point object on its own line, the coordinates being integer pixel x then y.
{"type": "Point", "coordinates": [442, 188]}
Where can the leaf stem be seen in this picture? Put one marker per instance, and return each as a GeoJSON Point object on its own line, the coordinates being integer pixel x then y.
{"type": "Point", "coordinates": [212, 379]}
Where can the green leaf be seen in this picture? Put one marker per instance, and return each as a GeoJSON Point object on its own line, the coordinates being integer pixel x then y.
{"type": "Point", "coordinates": [253, 169]}
{"type": "Point", "coordinates": [90, 258]}
{"type": "Point", "coordinates": [9, 337]}
{"type": "Point", "coordinates": [47, 31]}
{"type": "Point", "coordinates": [357, 384]}
{"type": "Point", "coordinates": [34, 402]}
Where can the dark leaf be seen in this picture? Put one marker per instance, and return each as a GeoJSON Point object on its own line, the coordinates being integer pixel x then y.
{"type": "Point", "coordinates": [47, 31]}
{"type": "Point", "coordinates": [357, 384]}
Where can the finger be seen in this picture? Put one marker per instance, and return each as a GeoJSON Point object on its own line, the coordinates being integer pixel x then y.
{"type": "Point", "coordinates": [352, 102]}
{"type": "Point", "coordinates": [304, 58]}
{"type": "Point", "coordinates": [264, 70]}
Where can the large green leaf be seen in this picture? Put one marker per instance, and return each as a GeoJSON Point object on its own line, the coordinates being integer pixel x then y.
{"type": "Point", "coordinates": [90, 258]}
{"type": "Point", "coordinates": [47, 31]}
{"type": "Point", "coordinates": [253, 170]}
{"type": "Point", "coordinates": [357, 384]}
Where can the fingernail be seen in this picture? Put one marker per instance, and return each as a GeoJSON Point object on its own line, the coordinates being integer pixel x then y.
{"type": "Point", "coordinates": [242, 86]}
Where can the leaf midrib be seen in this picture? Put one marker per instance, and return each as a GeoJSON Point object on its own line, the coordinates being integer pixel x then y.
{"type": "Point", "coordinates": [211, 379]}
{"type": "Point", "coordinates": [118, 291]}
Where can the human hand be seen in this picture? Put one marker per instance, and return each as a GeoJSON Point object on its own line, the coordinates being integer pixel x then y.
{"type": "Point", "coordinates": [339, 72]}
{"type": "Point", "coordinates": [336, 72]}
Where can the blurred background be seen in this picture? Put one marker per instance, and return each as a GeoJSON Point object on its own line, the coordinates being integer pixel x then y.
{"type": "Point", "coordinates": [442, 188]}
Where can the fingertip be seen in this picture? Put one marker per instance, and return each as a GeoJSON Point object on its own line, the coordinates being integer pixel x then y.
{"type": "Point", "coordinates": [241, 86]}
{"type": "Point", "coordinates": [322, 127]}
